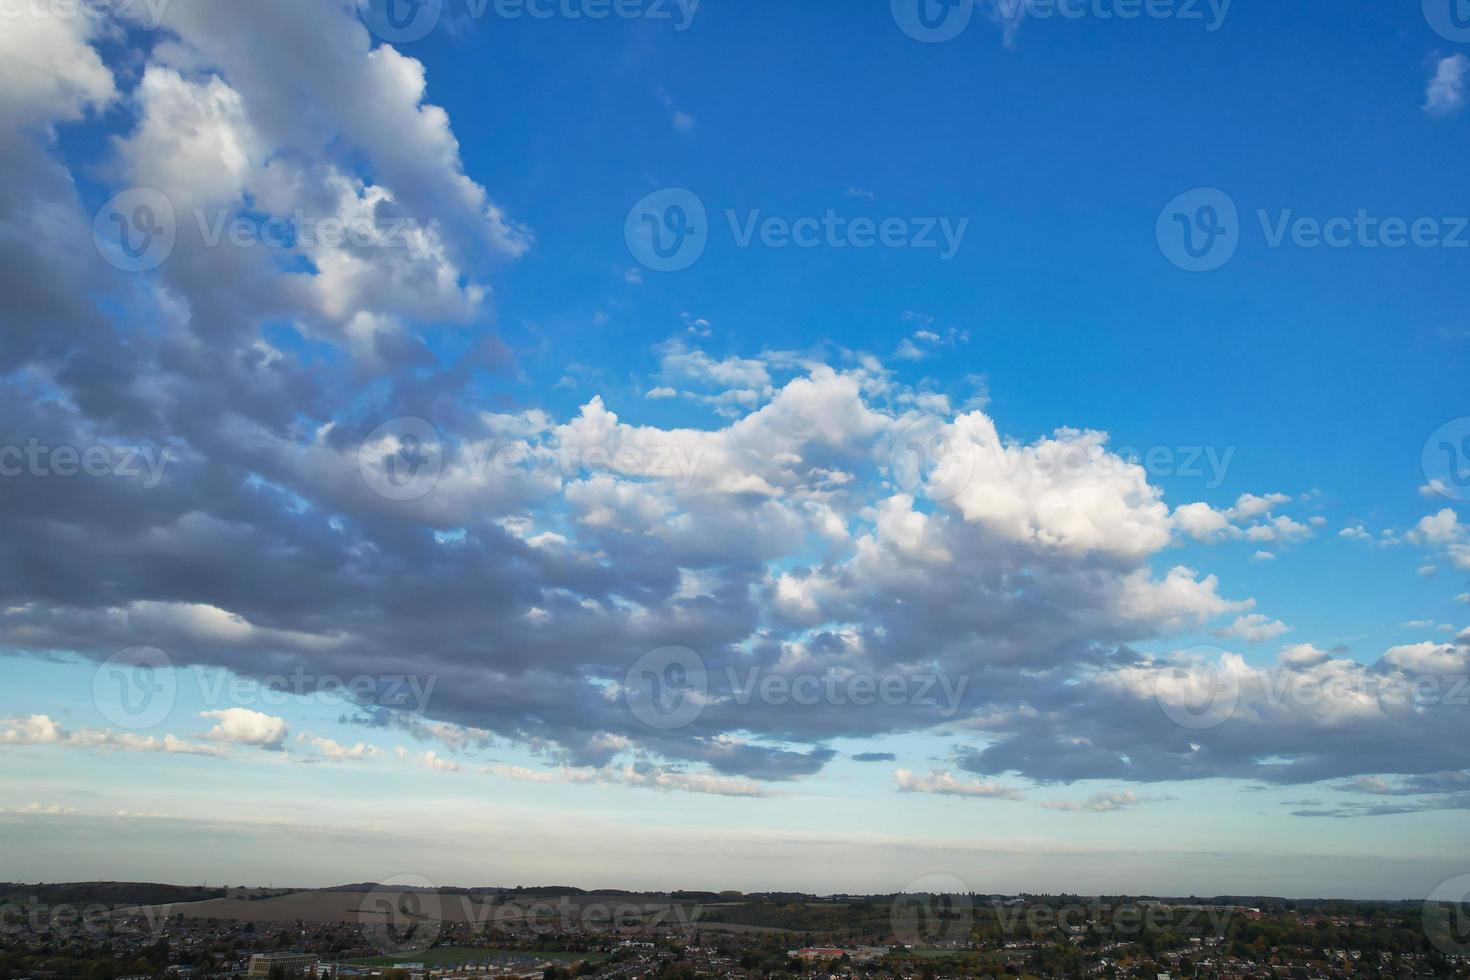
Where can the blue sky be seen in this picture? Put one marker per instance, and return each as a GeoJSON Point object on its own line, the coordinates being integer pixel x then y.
{"type": "Point", "coordinates": [1135, 483]}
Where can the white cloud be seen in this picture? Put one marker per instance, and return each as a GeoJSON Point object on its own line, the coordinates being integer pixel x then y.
{"type": "Point", "coordinates": [1446, 92]}
{"type": "Point", "coordinates": [242, 726]}
{"type": "Point", "coordinates": [48, 70]}
{"type": "Point", "coordinates": [1201, 521]}
{"type": "Point", "coordinates": [1254, 628]}
{"type": "Point", "coordinates": [30, 730]}
{"type": "Point", "coordinates": [334, 751]}
{"type": "Point", "coordinates": [1302, 655]}
{"type": "Point", "coordinates": [1444, 532]}
{"type": "Point", "coordinates": [1249, 505]}
{"type": "Point", "coordinates": [427, 760]}
{"type": "Point", "coordinates": [194, 141]}
{"type": "Point", "coordinates": [946, 784]}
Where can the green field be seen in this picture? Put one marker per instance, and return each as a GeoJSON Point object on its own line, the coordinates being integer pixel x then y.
{"type": "Point", "coordinates": [440, 955]}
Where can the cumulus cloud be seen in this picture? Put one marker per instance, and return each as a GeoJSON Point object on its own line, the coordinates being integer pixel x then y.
{"type": "Point", "coordinates": [947, 784]}
{"type": "Point", "coordinates": [242, 726]}
{"type": "Point", "coordinates": [1446, 92]}
{"type": "Point", "coordinates": [333, 751]}
{"type": "Point", "coordinates": [1443, 533]}
{"type": "Point", "coordinates": [1254, 628]}
{"type": "Point", "coordinates": [44, 730]}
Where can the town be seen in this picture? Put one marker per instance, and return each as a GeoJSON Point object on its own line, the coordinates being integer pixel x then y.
{"type": "Point", "coordinates": [555, 933]}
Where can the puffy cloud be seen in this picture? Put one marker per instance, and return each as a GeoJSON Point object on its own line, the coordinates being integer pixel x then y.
{"type": "Point", "coordinates": [44, 730]}
{"type": "Point", "coordinates": [30, 730]}
{"type": "Point", "coordinates": [242, 726]}
{"type": "Point", "coordinates": [1201, 521]}
{"type": "Point", "coordinates": [1312, 717]}
{"type": "Point", "coordinates": [1250, 506]}
{"type": "Point", "coordinates": [334, 751]}
{"type": "Point", "coordinates": [1443, 532]}
{"type": "Point", "coordinates": [193, 142]}
{"type": "Point", "coordinates": [1254, 628]}
{"type": "Point", "coordinates": [946, 784]}
{"type": "Point", "coordinates": [1446, 92]}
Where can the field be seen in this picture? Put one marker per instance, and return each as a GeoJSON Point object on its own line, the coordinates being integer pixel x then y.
{"type": "Point", "coordinates": [354, 906]}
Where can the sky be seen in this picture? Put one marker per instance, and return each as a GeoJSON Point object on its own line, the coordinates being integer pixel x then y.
{"type": "Point", "coordinates": [767, 446]}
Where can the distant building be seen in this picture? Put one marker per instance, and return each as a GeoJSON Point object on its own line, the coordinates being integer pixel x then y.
{"type": "Point", "coordinates": [819, 953]}
{"type": "Point", "coordinates": [291, 964]}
